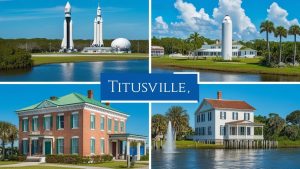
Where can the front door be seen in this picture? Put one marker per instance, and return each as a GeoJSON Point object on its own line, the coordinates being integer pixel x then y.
{"type": "Point", "coordinates": [114, 148]}
{"type": "Point", "coordinates": [47, 147]}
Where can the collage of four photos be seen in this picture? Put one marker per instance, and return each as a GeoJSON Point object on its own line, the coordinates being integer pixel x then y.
{"type": "Point", "coordinates": [53, 53]}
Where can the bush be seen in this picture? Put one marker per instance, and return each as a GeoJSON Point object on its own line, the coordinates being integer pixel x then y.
{"type": "Point", "coordinates": [145, 157]}
{"type": "Point", "coordinates": [220, 59]}
{"type": "Point", "coordinates": [21, 158]}
{"type": "Point", "coordinates": [76, 159]}
{"type": "Point", "coordinates": [106, 157]}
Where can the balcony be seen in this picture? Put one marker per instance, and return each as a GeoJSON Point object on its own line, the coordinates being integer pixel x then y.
{"type": "Point", "coordinates": [244, 137]}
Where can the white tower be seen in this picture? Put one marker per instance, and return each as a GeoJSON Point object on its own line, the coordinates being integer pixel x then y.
{"type": "Point", "coordinates": [67, 44]}
{"type": "Point", "coordinates": [98, 36]}
{"type": "Point", "coordinates": [227, 38]}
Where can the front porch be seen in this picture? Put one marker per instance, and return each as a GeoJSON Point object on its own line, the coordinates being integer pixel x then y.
{"type": "Point", "coordinates": [40, 145]}
{"type": "Point", "coordinates": [123, 145]}
{"type": "Point", "coordinates": [243, 130]}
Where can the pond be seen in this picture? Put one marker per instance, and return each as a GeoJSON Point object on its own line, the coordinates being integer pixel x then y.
{"type": "Point", "coordinates": [81, 71]}
{"type": "Point", "coordinates": [224, 158]}
{"type": "Point", "coordinates": [219, 76]}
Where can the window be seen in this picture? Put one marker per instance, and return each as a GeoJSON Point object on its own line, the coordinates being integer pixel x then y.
{"type": "Point", "coordinates": [116, 124]}
{"type": "Point", "coordinates": [222, 115]}
{"type": "Point", "coordinates": [202, 117]}
{"type": "Point", "coordinates": [246, 116]}
{"type": "Point", "coordinates": [60, 146]}
{"type": "Point", "coordinates": [35, 124]}
{"type": "Point", "coordinates": [92, 123]}
{"type": "Point", "coordinates": [242, 130]}
{"type": "Point", "coordinates": [25, 125]}
{"type": "Point", "coordinates": [60, 122]}
{"type": "Point", "coordinates": [102, 146]}
{"type": "Point", "coordinates": [34, 147]}
{"type": "Point", "coordinates": [232, 130]}
{"type": "Point", "coordinates": [74, 120]}
{"type": "Point", "coordinates": [74, 144]}
{"type": "Point", "coordinates": [209, 116]}
{"type": "Point", "coordinates": [222, 130]}
{"type": "Point", "coordinates": [25, 146]}
{"type": "Point", "coordinates": [92, 146]}
{"type": "Point", "coordinates": [209, 130]}
{"type": "Point", "coordinates": [248, 130]}
{"type": "Point", "coordinates": [202, 131]}
{"type": "Point", "coordinates": [102, 123]}
{"type": "Point", "coordinates": [235, 116]}
{"type": "Point", "coordinates": [122, 128]}
{"type": "Point", "coordinates": [109, 124]}
{"type": "Point", "coordinates": [47, 122]}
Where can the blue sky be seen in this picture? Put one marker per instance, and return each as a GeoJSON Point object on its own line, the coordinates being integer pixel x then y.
{"type": "Point", "coordinates": [14, 97]}
{"type": "Point", "coordinates": [281, 99]}
{"type": "Point", "coordinates": [181, 17]}
{"type": "Point", "coordinates": [44, 18]}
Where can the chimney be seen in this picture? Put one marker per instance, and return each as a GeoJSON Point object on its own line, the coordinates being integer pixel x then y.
{"type": "Point", "coordinates": [53, 98]}
{"type": "Point", "coordinates": [90, 94]}
{"type": "Point", "coordinates": [219, 95]}
{"type": "Point", "coordinates": [107, 103]}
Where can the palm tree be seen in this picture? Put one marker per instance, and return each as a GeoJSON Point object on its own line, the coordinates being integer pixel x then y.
{"type": "Point", "coordinates": [13, 135]}
{"type": "Point", "coordinates": [268, 27]}
{"type": "Point", "coordinates": [281, 32]}
{"type": "Point", "coordinates": [159, 126]}
{"type": "Point", "coordinates": [194, 38]}
{"type": "Point", "coordinates": [294, 30]}
{"type": "Point", "coordinates": [4, 133]}
{"type": "Point", "coordinates": [179, 119]}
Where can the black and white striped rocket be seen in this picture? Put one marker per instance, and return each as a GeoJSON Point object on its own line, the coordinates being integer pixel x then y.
{"type": "Point", "coordinates": [67, 42]}
{"type": "Point", "coordinates": [98, 36]}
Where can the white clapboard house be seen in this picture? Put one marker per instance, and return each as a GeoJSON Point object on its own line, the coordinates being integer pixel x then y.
{"type": "Point", "coordinates": [217, 120]}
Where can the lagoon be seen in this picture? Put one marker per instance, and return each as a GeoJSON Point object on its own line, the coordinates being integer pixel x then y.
{"type": "Point", "coordinates": [220, 76]}
{"type": "Point", "coordinates": [80, 71]}
{"type": "Point", "coordinates": [282, 158]}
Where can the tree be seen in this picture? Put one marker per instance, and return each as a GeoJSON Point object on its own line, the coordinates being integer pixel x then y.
{"type": "Point", "coordinates": [194, 38]}
{"type": "Point", "coordinates": [280, 32]}
{"type": "Point", "coordinates": [291, 132]}
{"type": "Point", "coordinates": [4, 135]}
{"type": "Point", "coordinates": [294, 117]}
{"type": "Point", "coordinates": [158, 126]}
{"type": "Point", "coordinates": [13, 135]}
{"type": "Point", "coordinates": [179, 119]}
{"type": "Point", "coordinates": [274, 125]}
{"type": "Point", "coordinates": [268, 27]}
{"type": "Point", "coordinates": [294, 30]}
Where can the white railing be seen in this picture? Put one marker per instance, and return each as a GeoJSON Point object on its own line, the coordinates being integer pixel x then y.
{"type": "Point", "coordinates": [244, 137]}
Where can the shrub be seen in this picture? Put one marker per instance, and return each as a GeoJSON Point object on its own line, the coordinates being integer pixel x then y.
{"type": "Point", "coordinates": [145, 157]}
{"type": "Point", "coordinates": [96, 159]}
{"type": "Point", "coordinates": [22, 158]}
{"type": "Point", "coordinates": [219, 59]}
{"type": "Point", "coordinates": [106, 157]}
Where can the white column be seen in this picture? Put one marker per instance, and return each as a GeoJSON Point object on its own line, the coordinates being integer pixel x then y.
{"type": "Point", "coordinates": [128, 148]}
{"type": "Point", "coordinates": [138, 151]}
{"type": "Point", "coordinates": [145, 149]}
{"type": "Point", "coordinates": [117, 149]}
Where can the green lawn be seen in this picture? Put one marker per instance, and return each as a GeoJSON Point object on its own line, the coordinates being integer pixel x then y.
{"type": "Point", "coordinates": [117, 164]}
{"type": "Point", "coordinates": [246, 65]}
{"type": "Point", "coordinates": [193, 144]}
{"type": "Point", "coordinates": [7, 162]}
{"type": "Point", "coordinates": [39, 60]}
{"type": "Point", "coordinates": [284, 143]}
{"type": "Point", "coordinates": [38, 167]}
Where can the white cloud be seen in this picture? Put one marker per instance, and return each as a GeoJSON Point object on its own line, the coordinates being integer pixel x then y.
{"type": "Point", "coordinates": [192, 20]}
{"type": "Point", "coordinates": [279, 16]}
{"type": "Point", "coordinates": [160, 26]}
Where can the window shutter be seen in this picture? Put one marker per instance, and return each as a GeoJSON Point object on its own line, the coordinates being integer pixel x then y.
{"type": "Point", "coordinates": [71, 146]}
{"type": "Point", "coordinates": [56, 146]}
{"type": "Point", "coordinates": [71, 120]}
{"type": "Point", "coordinates": [57, 121]}
{"type": "Point", "coordinates": [44, 123]}
{"type": "Point", "coordinates": [32, 124]}
{"type": "Point", "coordinates": [22, 125]}
{"type": "Point", "coordinates": [27, 124]}
{"type": "Point", "coordinates": [225, 115]}
{"type": "Point", "coordinates": [37, 124]}
{"type": "Point", "coordinates": [51, 122]}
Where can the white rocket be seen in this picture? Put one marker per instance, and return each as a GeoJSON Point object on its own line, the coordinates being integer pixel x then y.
{"type": "Point", "coordinates": [227, 38]}
{"type": "Point", "coordinates": [98, 38]}
{"type": "Point", "coordinates": [67, 42]}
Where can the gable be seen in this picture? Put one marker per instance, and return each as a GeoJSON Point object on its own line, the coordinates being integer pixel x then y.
{"type": "Point", "coordinates": [45, 104]}
{"type": "Point", "coordinates": [204, 106]}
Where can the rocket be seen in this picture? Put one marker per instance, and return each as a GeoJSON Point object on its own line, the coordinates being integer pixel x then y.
{"type": "Point", "coordinates": [98, 36]}
{"type": "Point", "coordinates": [67, 42]}
{"type": "Point", "coordinates": [227, 38]}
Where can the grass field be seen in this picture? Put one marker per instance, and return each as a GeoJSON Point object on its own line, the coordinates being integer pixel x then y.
{"type": "Point", "coordinates": [246, 65]}
{"type": "Point", "coordinates": [288, 143]}
{"type": "Point", "coordinates": [39, 59]}
{"type": "Point", "coordinates": [116, 164]}
{"type": "Point", "coordinates": [38, 167]}
{"type": "Point", "coordinates": [192, 144]}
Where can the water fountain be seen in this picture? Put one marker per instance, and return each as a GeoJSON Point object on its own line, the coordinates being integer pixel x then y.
{"type": "Point", "coordinates": [169, 146]}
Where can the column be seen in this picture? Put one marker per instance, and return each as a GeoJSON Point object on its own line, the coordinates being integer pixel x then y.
{"type": "Point", "coordinates": [29, 142]}
{"type": "Point", "coordinates": [117, 149]}
{"type": "Point", "coordinates": [138, 151]}
{"type": "Point", "coordinates": [145, 148]}
{"type": "Point", "coordinates": [128, 148]}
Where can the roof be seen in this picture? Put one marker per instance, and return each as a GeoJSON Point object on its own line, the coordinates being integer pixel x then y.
{"type": "Point", "coordinates": [157, 47]}
{"type": "Point", "coordinates": [70, 99]}
{"type": "Point", "coordinates": [229, 104]}
{"type": "Point", "coordinates": [244, 122]}
{"type": "Point", "coordinates": [127, 135]}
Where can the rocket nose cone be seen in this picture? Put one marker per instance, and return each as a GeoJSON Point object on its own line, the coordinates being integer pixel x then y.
{"type": "Point", "coordinates": [227, 19]}
{"type": "Point", "coordinates": [68, 6]}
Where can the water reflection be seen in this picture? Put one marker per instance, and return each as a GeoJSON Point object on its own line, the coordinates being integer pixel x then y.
{"type": "Point", "coordinates": [224, 158]}
{"type": "Point", "coordinates": [219, 76]}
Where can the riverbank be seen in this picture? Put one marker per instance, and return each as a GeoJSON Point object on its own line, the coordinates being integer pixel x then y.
{"type": "Point", "coordinates": [193, 144]}
{"type": "Point", "coordinates": [40, 59]}
{"type": "Point", "coordinates": [246, 65]}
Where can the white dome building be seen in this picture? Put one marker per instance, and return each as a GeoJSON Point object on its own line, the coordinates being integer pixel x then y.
{"type": "Point", "coordinates": [121, 45]}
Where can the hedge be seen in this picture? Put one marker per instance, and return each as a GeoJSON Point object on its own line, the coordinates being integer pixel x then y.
{"type": "Point", "coordinates": [76, 159]}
